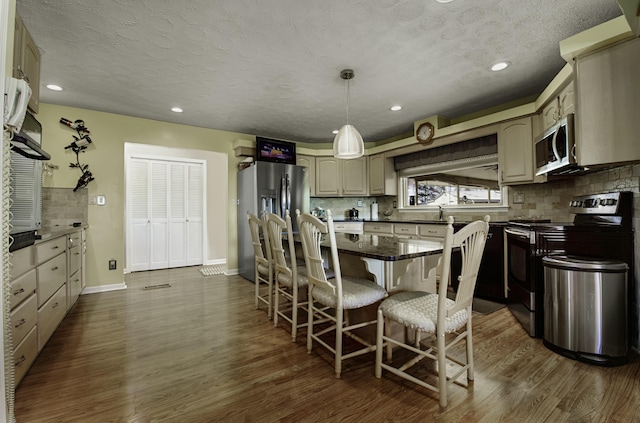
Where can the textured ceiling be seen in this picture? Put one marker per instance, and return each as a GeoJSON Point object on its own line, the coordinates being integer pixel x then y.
{"type": "Point", "coordinates": [271, 67]}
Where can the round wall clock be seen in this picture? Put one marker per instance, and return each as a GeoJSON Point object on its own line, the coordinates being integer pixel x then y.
{"type": "Point", "coordinates": [424, 133]}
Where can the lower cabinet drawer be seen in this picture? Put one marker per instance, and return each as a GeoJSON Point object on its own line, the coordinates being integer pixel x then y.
{"type": "Point", "coordinates": [23, 318]}
{"type": "Point", "coordinates": [405, 229]}
{"type": "Point", "coordinates": [22, 287]}
{"type": "Point", "coordinates": [74, 288]}
{"type": "Point", "coordinates": [75, 257]}
{"type": "Point", "coordinates": [22, 260]}
{"type": "Point", "coordinates": [51, 275]}
{"type": "Point", "coordinates": [25, 353]}
{"type": "Point", "coordinates": [378, 228]}
{"type": "Point", "coordinates": [50, 315]}
{"type": "Point", "coordinates": [433, 231]}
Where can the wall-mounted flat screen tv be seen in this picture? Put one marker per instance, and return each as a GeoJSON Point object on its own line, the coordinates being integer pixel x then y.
{"type": "Point", "coordinates": [269, 150]}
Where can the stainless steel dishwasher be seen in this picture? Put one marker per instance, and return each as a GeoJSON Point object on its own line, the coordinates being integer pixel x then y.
{"type": "Point", "coordinates": [585, 308]}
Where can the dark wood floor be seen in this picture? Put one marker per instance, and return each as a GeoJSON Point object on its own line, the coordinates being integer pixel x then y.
{"type": "Point", "coordinates": [199, 352]}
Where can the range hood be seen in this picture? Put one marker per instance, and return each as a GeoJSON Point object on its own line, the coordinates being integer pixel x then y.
{"type": "Point", "coordinates": [24, 145]}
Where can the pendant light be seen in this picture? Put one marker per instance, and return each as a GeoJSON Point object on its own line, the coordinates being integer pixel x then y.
{"type": "Point", "coordinates": [348, 142]}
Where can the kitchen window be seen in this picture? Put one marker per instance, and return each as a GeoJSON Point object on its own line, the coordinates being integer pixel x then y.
{"type": "Point", "coordinates": [456, 176]}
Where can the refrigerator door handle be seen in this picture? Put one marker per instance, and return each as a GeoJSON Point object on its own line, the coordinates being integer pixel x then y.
{"type": "Point", "coordinates": [288, 183]}
{"type": "Point", "coordinates": [283, 197]}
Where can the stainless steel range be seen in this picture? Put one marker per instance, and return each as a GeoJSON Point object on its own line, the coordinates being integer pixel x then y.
{"type": "Point", "coordinates": [601, 228]}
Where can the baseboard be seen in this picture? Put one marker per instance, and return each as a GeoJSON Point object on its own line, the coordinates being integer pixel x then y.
{"type": "Point", "coordinates": [231, 272]}
{"type": "Point", "coordinates": [103, 288]}
{"type": "Point", "coordinates": [215, 262]}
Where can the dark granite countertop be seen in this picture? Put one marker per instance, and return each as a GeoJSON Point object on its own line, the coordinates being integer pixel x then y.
{"type": "Point", "coordinates": [387, 248]}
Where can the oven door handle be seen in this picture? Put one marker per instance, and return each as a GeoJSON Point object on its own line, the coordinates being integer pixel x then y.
{"type": "Point", "coordinates": [519, 234]}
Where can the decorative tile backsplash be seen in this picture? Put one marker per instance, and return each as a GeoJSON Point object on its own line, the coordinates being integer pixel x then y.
{"type": "Point", "coordinates": [61, 207]}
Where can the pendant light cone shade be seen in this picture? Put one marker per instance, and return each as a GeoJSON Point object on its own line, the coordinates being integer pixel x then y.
{"type": "Point", "coordinates": [348, 142]}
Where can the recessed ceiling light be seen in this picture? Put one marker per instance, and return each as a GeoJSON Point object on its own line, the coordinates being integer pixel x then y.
{"type": "Point", "coordinates": [54, 87]}
{"type": "Point", "coordinates": [500, 66]}
{"type": "Point", "coordinates": [335, 131]}
{"type": "Point", "coordinates": [395, 108]}
{"type": "Point", "coordinates": [444, 1]}
{"type": "Point", "coordinates": [176, 109]}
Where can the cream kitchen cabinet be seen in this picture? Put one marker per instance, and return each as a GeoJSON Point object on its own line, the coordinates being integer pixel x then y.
{"type": "Point", "coordinates": [515, 151]}
{"type": "Point", "coordinates": [51, 289]}
{"type": "Point", "coordinates": [382, 175]}
{"type": "Point", "coordinates": [74, 267]}
{"type": "Point", "coordinates": [310, 163]}
{"type": "Point", "coordinates": [558, 107]}
{"type": "Point", "coordinates": [46, 281]}
{"type": "Point", "coordinates": [24, 314]}
{"type": "Point", "coordinates": [336, 177]}
{"type": "Point", "coordinates": [608, 101]}
{"type": "Point", "coordinates": [26, 61]}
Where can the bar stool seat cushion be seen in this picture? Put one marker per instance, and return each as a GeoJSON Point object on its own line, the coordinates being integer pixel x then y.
{"type": "Point", "coordinates": [356, 293]}
{"type": "Point", "coordinates": [419, 310]}
{"type": "Point", "coordinates": [286, 280]}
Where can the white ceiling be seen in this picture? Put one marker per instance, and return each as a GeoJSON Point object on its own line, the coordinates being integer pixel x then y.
{"type": "Point", "coordinates": [271, 67]}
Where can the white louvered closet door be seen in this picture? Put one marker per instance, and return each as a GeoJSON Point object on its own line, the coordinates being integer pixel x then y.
{"type": "Point", "coordinates": [166, 214]}
{"type": "Point", "coordinates": [178, 225]}
{"type": "Point", "coordinates": [195, 207]}
{"type": "Point", "coordinates": [139, 219]}
{"type": "Point", "coordinates": [159, 206]}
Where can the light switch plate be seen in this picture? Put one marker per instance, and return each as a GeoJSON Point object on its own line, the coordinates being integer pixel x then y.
{"type": "Point", "coordinates": [101, 200]}
{"type": "Point", "coordinates": [359, 203]}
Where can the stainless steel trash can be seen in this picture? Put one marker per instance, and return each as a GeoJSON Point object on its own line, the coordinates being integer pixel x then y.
{"type": "Point", "coordinates": [585, 308]}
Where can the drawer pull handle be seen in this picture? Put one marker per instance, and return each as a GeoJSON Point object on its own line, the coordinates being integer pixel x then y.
{"type": "Point", "coordinates": [22, 360]}
{"type": "Point", "coordinates": [19, 291]}
{"type": "Point", "coordinates": [55, 247]}
{"type": "Point", "coordinates": [54, 269]}
{"type": "Point", "coordinates": [21, 322]}
{"type": "Point", "coordinates": [55, 305]}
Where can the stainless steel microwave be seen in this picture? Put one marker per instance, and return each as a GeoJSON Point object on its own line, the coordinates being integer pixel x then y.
{"type": "Point", "coordinates": [554, 149]}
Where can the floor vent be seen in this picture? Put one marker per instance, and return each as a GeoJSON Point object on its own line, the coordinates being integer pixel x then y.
{"type": "Point", "coordinates": [162, 285]}
{"type": "Point", "coordinates": [212, 270]}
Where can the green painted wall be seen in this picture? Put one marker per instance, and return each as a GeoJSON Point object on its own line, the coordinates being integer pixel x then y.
{"type": "Point", "coordinates": [106, 160]}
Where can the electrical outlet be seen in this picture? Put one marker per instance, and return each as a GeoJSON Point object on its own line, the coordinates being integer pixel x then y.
{"type": "Point", "coordinates": [518, 198]}
{"type": "Point", "coordinates": [92, 200]}
{"type": "Point", "coordinates": [395, 204]}
{"type": "Point", "coordinates": [359, 203]}
{"type": "Point", "coordinates": [112, 264]}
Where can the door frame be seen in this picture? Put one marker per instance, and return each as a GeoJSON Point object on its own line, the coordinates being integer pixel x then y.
{"type": "Point", "coordinates": [168, 159]}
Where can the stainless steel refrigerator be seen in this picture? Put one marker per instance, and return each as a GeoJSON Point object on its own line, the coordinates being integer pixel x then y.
{"type": "Point", "coordinates": [271, 187]}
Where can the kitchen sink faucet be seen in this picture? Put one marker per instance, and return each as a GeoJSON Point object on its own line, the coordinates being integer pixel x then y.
{"type": "Point", "coordinates": [440, 213]}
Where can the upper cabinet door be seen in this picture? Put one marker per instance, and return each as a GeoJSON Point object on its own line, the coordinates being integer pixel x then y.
{"type": "Point", "coordinates": [515, 151]}
{"type": "Point", "coordinates": [26, 62]}
{"type": "Point", "coordinates": [382, 175]}
{"type": "Point", "coordinates": [354, 176]}
{"type": "Point", "coordinates": [558, 107]}
{"type": "Point", "coordinates": [328, 177]}
{"type": "Point", "coordinates": [608, 94]}
{"type": "Point", "coordinates": [310, 163]}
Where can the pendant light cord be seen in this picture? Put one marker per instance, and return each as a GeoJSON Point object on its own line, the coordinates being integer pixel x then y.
{"type": "Point", "coordinates": [348, 100]}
